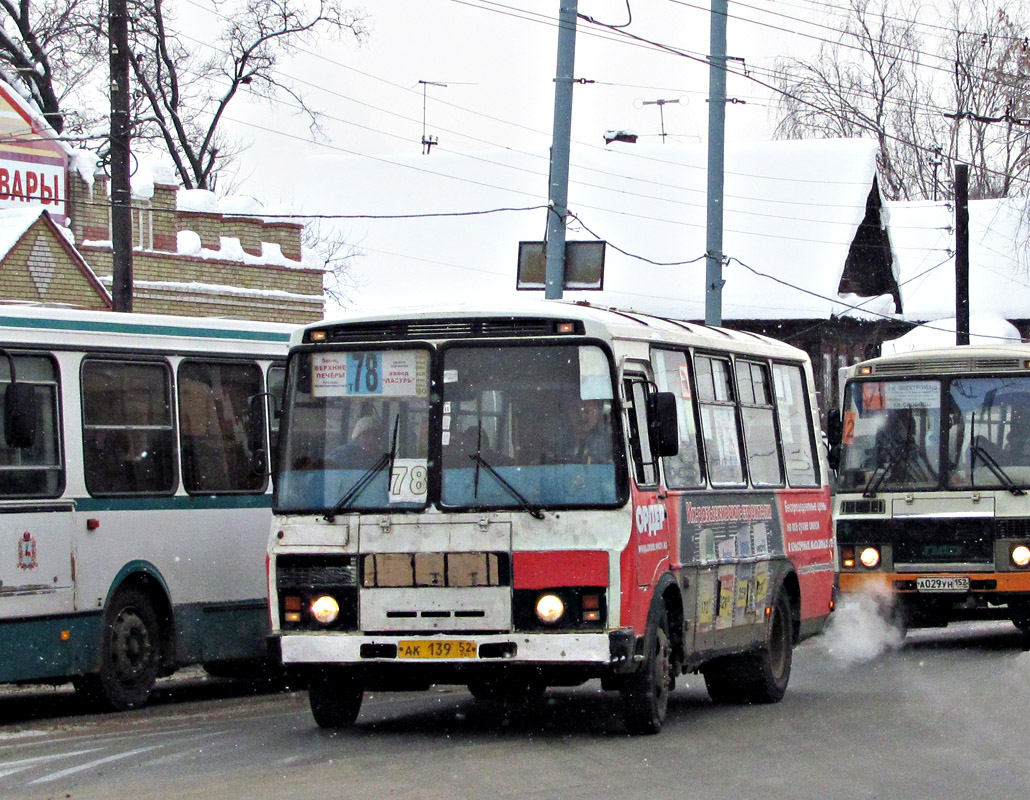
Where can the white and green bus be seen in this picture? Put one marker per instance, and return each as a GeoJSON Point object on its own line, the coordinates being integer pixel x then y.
{"type": "Point", "coordinates": [134, 496]}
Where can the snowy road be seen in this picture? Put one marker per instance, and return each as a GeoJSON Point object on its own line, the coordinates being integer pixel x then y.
{"type": "Point", "coordinates": [943, 716]}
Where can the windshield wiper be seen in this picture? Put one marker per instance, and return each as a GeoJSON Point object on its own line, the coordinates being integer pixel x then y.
{"type": "Point", "coordinates": [385, 460]}
{"type": "Point", "coordinates": [976, 451]}
{"type": "Point", "coordinates": [901, 452]}
{"type": "Point", "coordinates": [477, 457]}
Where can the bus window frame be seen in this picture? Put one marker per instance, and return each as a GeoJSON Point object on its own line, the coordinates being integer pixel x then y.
{"type": "Point", "coordinates": [763, 365]}
{"type": "Point", "coordinates": [812, 423]}
{"type": "Point", "coordinates": [725, 356]}
{"type": "Point", "coordinates": [253, 364]}
{"type": "Point", "coordinates": [693, 410]}
{"type": "Point", "coordinates": [164, 362]}
{"type": "Point", "coordinates": [61, 467]}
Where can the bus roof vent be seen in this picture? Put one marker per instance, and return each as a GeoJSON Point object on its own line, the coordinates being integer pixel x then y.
{"type": "Point", "coordinates": [453, 328]}
{"type": "Point", "coordinates": [949, 365]}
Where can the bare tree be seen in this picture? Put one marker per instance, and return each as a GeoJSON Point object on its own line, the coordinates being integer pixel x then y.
{"type": "Point", "coordinates": [48, 49]}
{"type": "Point", "coordinates": [186, 95]}
{"type": "Point", "coordinates": [927, 100]}
{"type": "Point", "coordinates": [336, 254]}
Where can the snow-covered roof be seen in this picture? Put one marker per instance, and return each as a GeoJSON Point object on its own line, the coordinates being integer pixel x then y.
{"type": "Point", "coordinates": [923, 238]}
{"type": "Point", "coordinates": [14, 223]}
{"type": "Point", "coordinates": [984, 329]}
{"type": "Point", "coordinates": [791, 212]}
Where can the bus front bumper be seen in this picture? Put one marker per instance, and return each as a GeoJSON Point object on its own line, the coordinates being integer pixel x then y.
{"type": "Point", "coordinates": [602, 649]}
{"type": "Point", "coordinates": [888, 583]}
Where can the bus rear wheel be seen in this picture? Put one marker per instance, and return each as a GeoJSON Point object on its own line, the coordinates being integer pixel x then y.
{"type": "Point", "coordinates": [760, 676]}
{"type": "Point", "coordinates": [335, 695]}
{"type": "Point", "coordinates": [130, 654]}
{"type": "Point", "coordinates": [645, 693]}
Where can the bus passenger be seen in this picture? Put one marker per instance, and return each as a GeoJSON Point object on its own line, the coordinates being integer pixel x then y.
{"type": "Point", "coordinates": [363, 449]}
{"type": "Point", "coordinates": [591, 434]}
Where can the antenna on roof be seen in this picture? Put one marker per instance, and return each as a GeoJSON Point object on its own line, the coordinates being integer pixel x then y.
{"type": "Point", "coordinates": [661, 110]}
{"type": "Point", "coordinates": [428, 141]}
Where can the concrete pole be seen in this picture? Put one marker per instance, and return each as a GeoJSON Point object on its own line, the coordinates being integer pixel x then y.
{"type": "Point", "coordinates": [716, 161]}
{"type": "Point", "coordinates": [121, 191]}
{"type": "Point", "coordinates": [961, 254]}
{"type": "Point", "coordinates": [558, 199]}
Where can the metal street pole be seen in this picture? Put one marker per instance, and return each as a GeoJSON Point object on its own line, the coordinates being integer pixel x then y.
{"type": "Point", "coordinates": [716, 161]}
{"type": "Point", "coordinates": [558, 200]}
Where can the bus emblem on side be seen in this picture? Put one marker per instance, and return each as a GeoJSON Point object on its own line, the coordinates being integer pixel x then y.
{"type": "Point", "coordinates": [27, 552]}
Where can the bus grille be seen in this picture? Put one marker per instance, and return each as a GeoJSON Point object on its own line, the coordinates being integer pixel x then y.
{"type": "Point", "coordinates": [926, 541]}
{"type": "Point", "coordinates": [308, 572]}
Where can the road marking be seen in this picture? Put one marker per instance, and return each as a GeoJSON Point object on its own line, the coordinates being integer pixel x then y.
{"type": "Point", "coordinates": [89, 765]}
{"type": "Point", "coordinates": [11, 767]}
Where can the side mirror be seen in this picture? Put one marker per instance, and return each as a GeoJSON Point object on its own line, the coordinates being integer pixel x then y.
{"type": "Point", "coordinates": [834, 427]}
{"type": "Point", "coordinates": [20, 415]}
{"type": "Point", "coordinates": [834, 434]}
{"type": "Point", "coordinates": [661, 416]}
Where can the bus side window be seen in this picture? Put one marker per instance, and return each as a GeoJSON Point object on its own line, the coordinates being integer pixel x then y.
{"type": "Point", "coordinates": [792, 409]}
{"type": "Point", "coordinates": [128, 438]}
{"type": "Point", "coordinates": [719, 422]}
{"type": "Point", "coordinates": [756, 410]}
{"type": "Point", "coordinates": [645, 466]}
{"type": "Point", "coordinates": [36, 470]}
{"type": "Point", "coordinates": [683, 470]}
{"type": "Point", "coordinates": [218, 426]}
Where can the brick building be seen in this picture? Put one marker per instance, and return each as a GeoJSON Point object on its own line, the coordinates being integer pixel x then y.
{"type": "Point", "coordinates": [190, 256]}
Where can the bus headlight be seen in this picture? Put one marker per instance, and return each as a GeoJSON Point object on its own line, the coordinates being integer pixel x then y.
{"type": "Point", "coordinates": [870, 557]}
{"type": "Point", "coordinates": [325, 609]}
{"type": "Point", "coordinates": [1021, 555]}
{"type": "Point", "coordinates": [550, 608]}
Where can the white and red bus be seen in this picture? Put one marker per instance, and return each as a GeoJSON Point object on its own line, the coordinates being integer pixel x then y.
{"type": "Point", "coordinates": [538, 496]}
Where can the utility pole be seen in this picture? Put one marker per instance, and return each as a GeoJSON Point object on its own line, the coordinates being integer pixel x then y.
{"type": "Point", "coordinates": [121, 191]}
{"type": "Point", "coordinates": [961, 254]}
{"type": "Point", "coordinates": [558, 199]}
{"type": "Point", "coordinates": [716, 162]}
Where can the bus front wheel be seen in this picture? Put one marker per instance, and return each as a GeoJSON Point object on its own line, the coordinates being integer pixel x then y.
{"type": "Point", "coordinates": [130, 653]}
{"type": "Point", "coordinates": [645, 693]}
{"type": "Point", "coordinates": [335, 696]}
{"type": "Point", "coordinates": [760, 676]}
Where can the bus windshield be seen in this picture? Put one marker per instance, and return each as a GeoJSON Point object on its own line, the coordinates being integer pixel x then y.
{"type": "Point", "coordinates": [527, 426]}
{"type": "Point", "coordinates": [357, 430]}
{"type": "Point", "coordinates": [896, 438]}
{"type": "Point", "coordinates": [518, 426]}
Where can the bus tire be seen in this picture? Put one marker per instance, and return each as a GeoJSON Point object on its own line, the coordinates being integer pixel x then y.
{"type": "Point", "coordinates": [130, 653]}
{"type": "Point", "coordinates": [760, 676]}
{"type": "Point", "coordinates": [645, 693]}
{"type": "Point", "coordinates": [335, 696]}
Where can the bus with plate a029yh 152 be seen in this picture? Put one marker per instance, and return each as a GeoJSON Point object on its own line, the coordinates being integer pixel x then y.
{"type": "Point", "coordinates": [538, 496]}
{"type": "Point", "coordinates": [932, 450]}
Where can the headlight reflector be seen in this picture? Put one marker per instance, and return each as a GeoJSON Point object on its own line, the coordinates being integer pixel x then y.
{"type": "Point", "coordinates": [325, 609]}
{"type": "Point", "coordinates": [1021, 555]}
{"type": "Point", "coordinates": [550, 608]}
{"type": "Point", "coordinates": [870, 557]}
